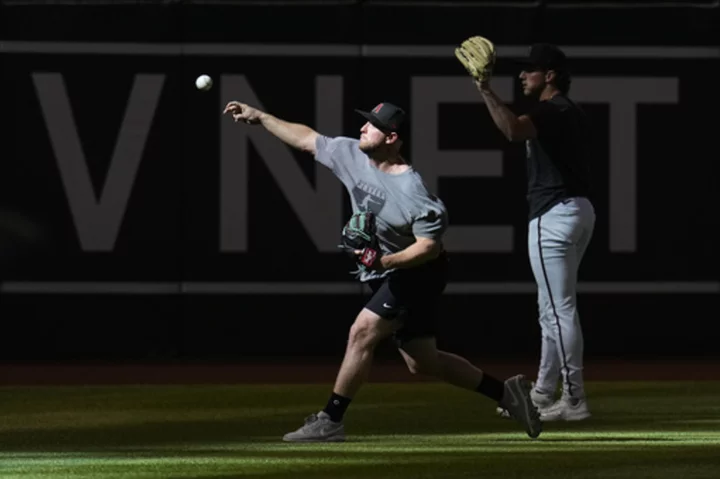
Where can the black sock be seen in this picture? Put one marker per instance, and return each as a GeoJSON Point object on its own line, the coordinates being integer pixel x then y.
{"type": "Point", "coordinates": [336, 407]}
{"type": "Point", "coordinates": [491, 387]}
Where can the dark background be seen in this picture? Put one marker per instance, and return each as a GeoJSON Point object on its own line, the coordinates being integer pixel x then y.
{"type": "Point", "coordinates": [658, 300]}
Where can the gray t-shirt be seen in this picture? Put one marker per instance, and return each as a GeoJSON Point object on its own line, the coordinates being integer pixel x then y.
{"type": "Point", "coordinates": [401, 202]}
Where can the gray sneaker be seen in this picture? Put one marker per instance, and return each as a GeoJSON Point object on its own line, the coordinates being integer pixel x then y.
{"type": "Point", "coordinates": [519, 405]}
{"type": "Point", "coordinates": [318, 428]}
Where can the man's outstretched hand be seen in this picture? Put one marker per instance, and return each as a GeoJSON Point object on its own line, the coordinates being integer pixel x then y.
{"type": "Point", "coordinates": [243, 112]}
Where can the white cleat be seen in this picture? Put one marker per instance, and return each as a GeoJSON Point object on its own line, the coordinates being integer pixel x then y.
{"type": "Point", "coordinates": [566, 409]}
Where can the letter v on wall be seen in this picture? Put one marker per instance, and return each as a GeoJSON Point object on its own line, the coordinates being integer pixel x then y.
{"type": "Point", "coordinates": [98, 221]}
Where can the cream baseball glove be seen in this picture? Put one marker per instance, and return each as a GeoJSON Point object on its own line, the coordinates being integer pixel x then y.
{"type": "Point", "coordinates": [477, 54]}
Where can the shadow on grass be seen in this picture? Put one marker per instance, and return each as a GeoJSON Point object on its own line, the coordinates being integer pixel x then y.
{"type": "Point", "coordinates": [305, 463]}
{"type": "Point", "coordinates": [383, 410]}
{"type": "Point", "coordinates": [253, 430]}
{"type": "Point", "coordinates": [695, 464]}
{"type": "Point", "coordinates": [608, 439]}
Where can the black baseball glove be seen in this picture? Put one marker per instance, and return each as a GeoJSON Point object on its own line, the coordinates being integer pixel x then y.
{"type": "Point", "coordinates": [358, 234]}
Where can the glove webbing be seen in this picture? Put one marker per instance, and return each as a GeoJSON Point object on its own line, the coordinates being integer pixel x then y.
{"type": "Point", "coordinates": [358, 225]}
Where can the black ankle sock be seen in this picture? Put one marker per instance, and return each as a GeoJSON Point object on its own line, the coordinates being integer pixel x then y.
{"type": "Point", "coordinates": [336, 407]}
{"type": "Point", "coordinates": [491, 387]}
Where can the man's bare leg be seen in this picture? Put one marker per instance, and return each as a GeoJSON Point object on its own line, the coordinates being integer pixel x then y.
{"type": "Point", "coordinates": [327, 426]}
{"type": "Point", "coordinates": [422, 357]}
{"type": "Point", "coordinates": [366, 332]}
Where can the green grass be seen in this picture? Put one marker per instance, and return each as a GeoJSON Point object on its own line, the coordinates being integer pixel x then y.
{"type": "Point", "coordinates": [420, 430]}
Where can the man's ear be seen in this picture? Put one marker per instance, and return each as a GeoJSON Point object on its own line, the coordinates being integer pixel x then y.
{"type": "Point", "coordinates": [550, 76]}
{"type": "Point", "coordinates": [391, 138]}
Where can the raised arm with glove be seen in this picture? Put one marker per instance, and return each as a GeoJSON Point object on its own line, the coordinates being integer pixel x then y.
{"type": "Point", "coordinates": [477, 55]}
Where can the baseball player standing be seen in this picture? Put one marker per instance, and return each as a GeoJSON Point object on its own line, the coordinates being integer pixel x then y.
{"type": "Point", "coordinates": [561, 217]}
{"type": "Point", "coordinates": [407, 272]}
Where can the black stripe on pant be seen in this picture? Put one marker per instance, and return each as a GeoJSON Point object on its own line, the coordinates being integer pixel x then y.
{"type": "Point", "coordinates": [552, 303]}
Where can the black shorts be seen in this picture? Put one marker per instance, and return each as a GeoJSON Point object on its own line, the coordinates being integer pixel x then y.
{"type": "Point", "coordinates": [413, 296]}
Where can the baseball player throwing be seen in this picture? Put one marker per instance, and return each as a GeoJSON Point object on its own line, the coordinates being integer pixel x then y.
{"type": "Point", "coordinates": [561, 217]}
{"type": "Point", "coordinates": [395, 234]}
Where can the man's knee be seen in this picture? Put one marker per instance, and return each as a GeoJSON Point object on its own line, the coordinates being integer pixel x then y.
{"type": "Point", "coordinates": [421, 356]}
{"type": "Point", "coordinates": [563, 312]}
{"type": "Point", "coordinates": [423, 367]}
{"type": "Point", "coordinates": [369, 329]}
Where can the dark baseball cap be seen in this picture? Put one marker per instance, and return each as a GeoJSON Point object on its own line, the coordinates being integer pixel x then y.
{"type": "Point", "coordinates": [385, 117]}
{"type": "Point", "coordinates": [544, 56]}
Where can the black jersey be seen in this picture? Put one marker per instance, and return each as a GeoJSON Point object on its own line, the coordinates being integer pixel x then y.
{"type": "Point", "coordinates": [558, 158]}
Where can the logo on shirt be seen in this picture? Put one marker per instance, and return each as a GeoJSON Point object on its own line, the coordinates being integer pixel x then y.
{"type": "Point", "coordinates": [368, 198]}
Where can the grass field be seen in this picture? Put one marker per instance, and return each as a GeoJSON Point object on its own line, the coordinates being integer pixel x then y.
{"type": "Point", "coordinates": [416, 430]}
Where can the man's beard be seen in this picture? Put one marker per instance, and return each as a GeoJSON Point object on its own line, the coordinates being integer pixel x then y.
{"type": "Point", "coordinates": [368, 148]}
{"type": "Point", "coordinates": [534, 93]}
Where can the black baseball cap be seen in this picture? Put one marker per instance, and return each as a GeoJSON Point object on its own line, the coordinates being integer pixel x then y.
{"type": "Point", "coordinates": [544, 56]}
{"type": "Point", "coordinates": [386, 117]}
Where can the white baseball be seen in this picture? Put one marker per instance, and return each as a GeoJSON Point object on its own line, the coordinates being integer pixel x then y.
{"type": "Point", "coordinates": [203, 82]}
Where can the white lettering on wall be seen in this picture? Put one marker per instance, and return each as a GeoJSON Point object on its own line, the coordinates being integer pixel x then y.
{"type": "Point", "coordinates": [98, 221]}
{"type": "Point", "coordinates": [98, 216]}
{"type": "Point", "coordinates": [319, 209]}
